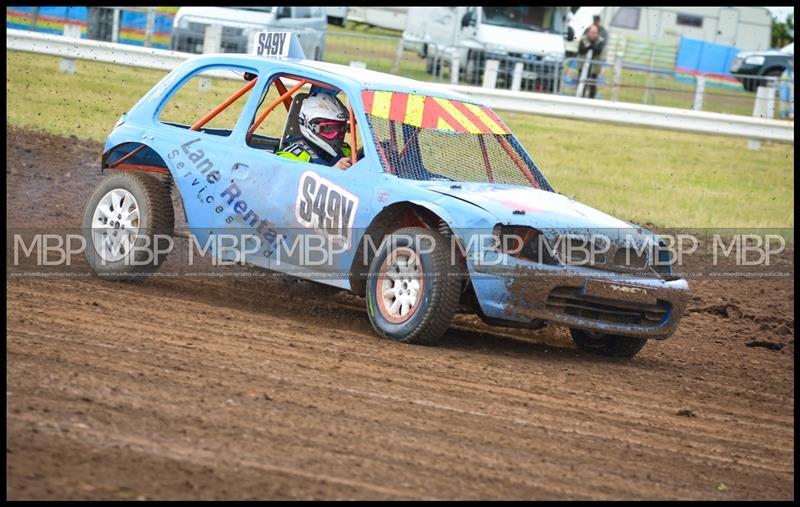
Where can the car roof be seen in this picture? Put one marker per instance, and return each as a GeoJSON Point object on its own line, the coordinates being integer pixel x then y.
{"type": "Point", "coordinates": [360, 78]}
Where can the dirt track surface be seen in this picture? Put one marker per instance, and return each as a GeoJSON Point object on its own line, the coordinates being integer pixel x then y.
{"type": "Point", "coordinates": [252, 387]}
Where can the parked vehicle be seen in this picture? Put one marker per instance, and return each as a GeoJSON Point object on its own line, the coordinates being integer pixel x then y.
{"type": "Point", "coordinates": [533, 35]}
{"type": "Point", "coordinates": [770, 63]}
{"type": "Point", "coordinates": [442, 210]}
{"type": "Point", "coordinates": [241, 23]}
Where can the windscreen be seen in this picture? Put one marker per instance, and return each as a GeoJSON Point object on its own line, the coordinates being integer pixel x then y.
{"type": "Point", "coordinates": [525, 18]}
{"type": "Point", "coordinates": [426, 138]}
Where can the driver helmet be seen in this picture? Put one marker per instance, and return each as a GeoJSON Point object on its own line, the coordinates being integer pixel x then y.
{"type": "Point", "coordinates": [323, 122]}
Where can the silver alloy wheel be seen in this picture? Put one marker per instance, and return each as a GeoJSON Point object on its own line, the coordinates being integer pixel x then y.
{"type": "Point", "coordinates": [400, 283]}
{"type": "Point", "coordinates": [115, 224]}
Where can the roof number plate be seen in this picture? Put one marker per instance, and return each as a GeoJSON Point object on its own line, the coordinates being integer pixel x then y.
{"type": "Point", "coordinates": [272, 44]}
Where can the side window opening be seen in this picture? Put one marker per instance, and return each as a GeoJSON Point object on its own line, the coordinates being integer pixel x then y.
{"type": "Point", "coordinates": [275, 125]}
{"type": "Point", "coordinates": [211, 101]}
{"type": "Point", "coordinates": [689, 20]}
{"type": "Point", "coordinates": [267, 135]}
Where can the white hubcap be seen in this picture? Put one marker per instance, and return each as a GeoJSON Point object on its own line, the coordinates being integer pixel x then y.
{"type": "Point", "coordinates": [115, 224]}
{"type": "Point", "coordinates": [400, 284]}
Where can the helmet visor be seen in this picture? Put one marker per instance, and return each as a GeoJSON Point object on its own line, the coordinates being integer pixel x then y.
{"type": "Point", "coordinates": [331, 129]}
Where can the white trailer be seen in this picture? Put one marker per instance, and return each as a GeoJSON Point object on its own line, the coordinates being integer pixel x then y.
{"type": "Point", "coordinates": [392, 18]}
{"type": "Point", "coordinates": [747, 28]}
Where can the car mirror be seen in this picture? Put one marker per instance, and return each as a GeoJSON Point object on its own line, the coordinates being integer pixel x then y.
{"type": "Point", "coordinates": [466, 20]}
{"type": "Point", "coordinates": [570, 34]}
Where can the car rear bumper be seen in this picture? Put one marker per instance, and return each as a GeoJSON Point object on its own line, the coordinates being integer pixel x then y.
{"type": "Point", "coordinates": [524, 292]}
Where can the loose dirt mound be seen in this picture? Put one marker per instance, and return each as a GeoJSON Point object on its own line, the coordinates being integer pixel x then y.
{"type": "Point", "coordinates": [258, 387]}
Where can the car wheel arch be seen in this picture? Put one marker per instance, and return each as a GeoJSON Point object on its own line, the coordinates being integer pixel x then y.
{"type": "Point", "coordinates": [134, 156]}
{"type": "Point", "coordinates": [391, 218]}
{"type": "Point", "coordinates": [148, 159]}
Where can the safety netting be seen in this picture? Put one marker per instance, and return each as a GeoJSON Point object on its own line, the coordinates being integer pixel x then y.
{"type": "Point", "coordinates": [420, 137]}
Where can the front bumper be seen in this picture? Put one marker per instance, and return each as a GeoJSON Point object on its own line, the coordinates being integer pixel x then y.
{"type": "Point", "coordinates": [523, 292]}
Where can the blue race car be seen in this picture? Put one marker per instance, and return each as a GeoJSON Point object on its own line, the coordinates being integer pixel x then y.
{"type": "Point", "coordinates": [437, 207]}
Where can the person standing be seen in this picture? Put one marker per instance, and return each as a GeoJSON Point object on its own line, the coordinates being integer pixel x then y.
{"type": "Point", "coordinates": [591, 40]}
{"type": "Point", "coordinates": [596, 22]}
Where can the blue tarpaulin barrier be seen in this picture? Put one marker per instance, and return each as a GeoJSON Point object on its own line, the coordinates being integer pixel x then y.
{"type": "Point", "coordinates": [697, 57]}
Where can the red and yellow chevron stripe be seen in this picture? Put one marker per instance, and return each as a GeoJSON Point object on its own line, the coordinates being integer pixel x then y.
{"type": "Point", "coordinates": [432, 112]}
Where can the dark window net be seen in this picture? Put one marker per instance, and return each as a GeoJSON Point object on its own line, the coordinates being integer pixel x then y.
{"type": "Point", "coordinates": [441, 155]}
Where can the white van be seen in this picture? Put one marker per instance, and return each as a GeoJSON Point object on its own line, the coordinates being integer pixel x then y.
{"type": "Point", "coordinates": [240, 23]}
{"type": "Point", "coordinates": [535, 34]}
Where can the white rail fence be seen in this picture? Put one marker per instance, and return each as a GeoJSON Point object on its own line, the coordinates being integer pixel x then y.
{"type": "Point", "coordinates": [524, 102]}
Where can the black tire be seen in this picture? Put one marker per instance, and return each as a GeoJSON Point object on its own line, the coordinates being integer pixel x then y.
{"type": "Point", "coordinates": [776, 72]}
{"type": "Point", "coordinates": [611, 345]}
{"type": "Point", "coordinates": [433, 70]}
{"type": "Point", "coordinates": [438, 297]}
{"type": "Point", "coordinates": [156, 221]}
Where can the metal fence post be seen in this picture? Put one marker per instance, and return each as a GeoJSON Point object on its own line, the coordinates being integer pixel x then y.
{"type": "Point", "coordinates": [115, 27]}
{"type": "Point", "coordinates": [764, 107]}
{"type": "Point", "coordinates": [150, 27]}
{"type": "Point", "coordinates": [34, 17]}
{"type": "Point", "coordinates": [204, 84]}
{"type": "Point", "coordinates": [67, 65]}
{"type": "Point", "coordinates": [455, 64]}
{"type": "Point", "coordinates": [773, 88]}
{"type": "Point", "coordinates": [565, 73]}
{"type": "Point", "coordinates": [516, 81]}
{"type": "Point", "coordinates": [398, 55]}
{"type": "Point", "coordinates": [617, 77]}
{"type": "Point", "coordinates": [700, 86]}
{"type": "Point", "coordinates": [584, 73]}
{"type": "Point", "coordinates": [490, 74]}
{"type": "Point", "coordinates": [212, 41]}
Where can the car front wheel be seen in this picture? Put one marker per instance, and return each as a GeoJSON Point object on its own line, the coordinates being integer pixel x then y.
{"type": "Point", "coordinates": [413, 290]}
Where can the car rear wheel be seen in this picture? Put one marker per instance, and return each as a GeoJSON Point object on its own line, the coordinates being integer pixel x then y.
{"type": "Point", "coordinates": [412, 290]}
{"type": "Point", "coordinates": [128, 225]}
{"type": "Point", "coordinates": [606, 344]}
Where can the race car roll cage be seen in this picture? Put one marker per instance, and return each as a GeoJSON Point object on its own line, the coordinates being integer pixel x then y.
{"type": "Point", "coordinates": [285, 98]}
